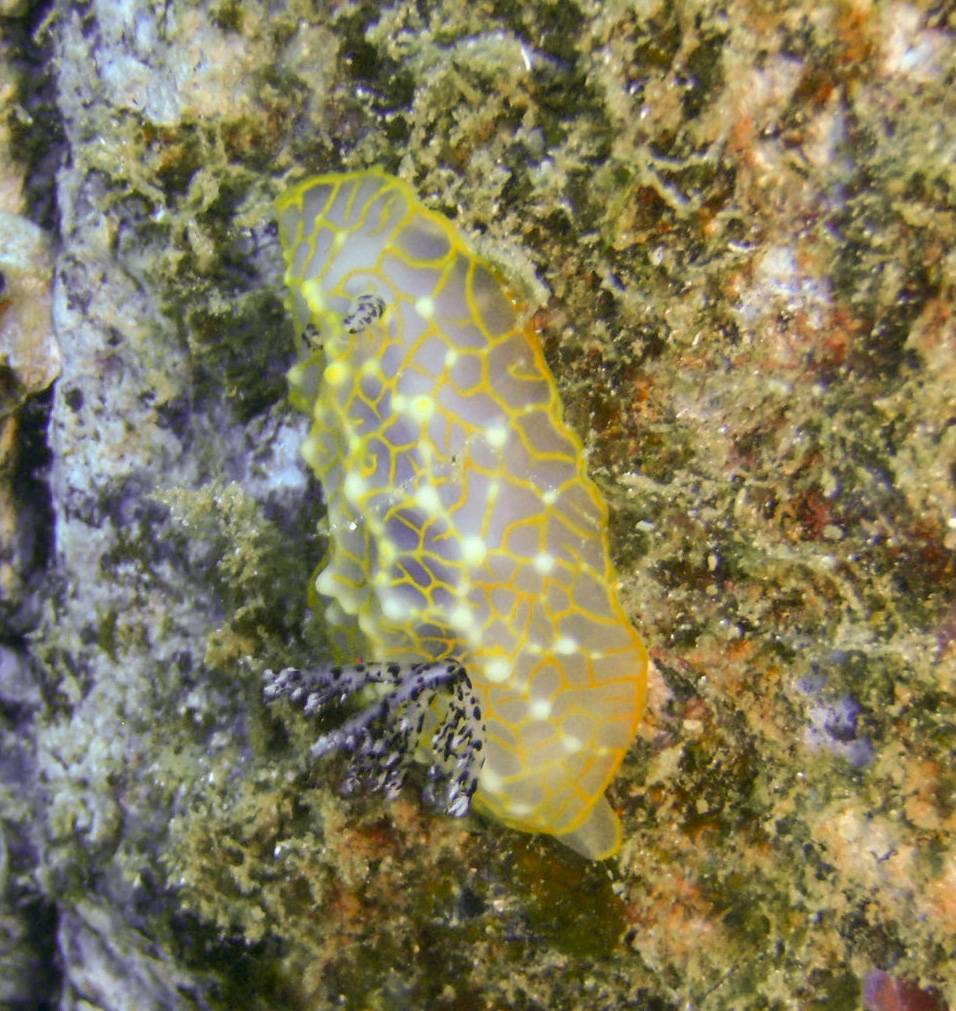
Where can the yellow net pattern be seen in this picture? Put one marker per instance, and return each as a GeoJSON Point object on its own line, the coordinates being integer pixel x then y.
{"type": "Point", "coordinates": [461, 518]}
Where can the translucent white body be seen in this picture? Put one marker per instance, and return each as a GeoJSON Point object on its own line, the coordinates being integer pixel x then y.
{"type": "Point", "coordinates": [461, 518]}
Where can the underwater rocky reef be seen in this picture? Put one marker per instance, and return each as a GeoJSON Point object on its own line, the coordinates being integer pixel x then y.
{"type": "Point", "coordinates": [735, 228]}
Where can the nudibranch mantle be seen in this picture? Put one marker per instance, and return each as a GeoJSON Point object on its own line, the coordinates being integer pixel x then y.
{"type": "Point", "coordinates": [462, 523]}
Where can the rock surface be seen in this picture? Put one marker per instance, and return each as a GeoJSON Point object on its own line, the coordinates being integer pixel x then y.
{"type": "Point", "coordinates": [740, 225]}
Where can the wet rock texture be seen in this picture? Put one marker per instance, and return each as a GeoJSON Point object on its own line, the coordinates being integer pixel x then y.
{"type": "Point", "coordinates": [739, 226]}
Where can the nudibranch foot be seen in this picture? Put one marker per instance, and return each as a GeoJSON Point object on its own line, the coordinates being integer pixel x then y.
{"type": "Point", "coordinates": [413, 703]}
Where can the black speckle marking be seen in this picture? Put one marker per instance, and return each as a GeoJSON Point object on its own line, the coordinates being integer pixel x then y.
{"type": "Point", "coordinates": [365, 310]}
{"type": "Point", "coordinates": [383, 738]}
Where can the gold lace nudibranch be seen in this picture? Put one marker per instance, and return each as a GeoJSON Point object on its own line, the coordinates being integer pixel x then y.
{"type": "Point", "coordinates": [462, 524]}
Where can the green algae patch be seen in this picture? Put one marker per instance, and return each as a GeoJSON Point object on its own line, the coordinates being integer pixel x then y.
{"type": "Point", "coordinates": [570, 906]}
{"type": "Point", "coordinates": [243, 556]}
{"type": "Point", "coordinates": [286, 868]}
{"type": "Point", "coordinates": [106, 634]}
